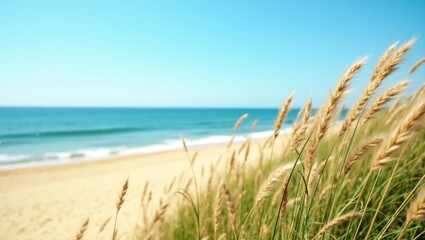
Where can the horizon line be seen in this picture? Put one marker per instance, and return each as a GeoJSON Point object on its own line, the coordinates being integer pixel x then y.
{"type": "Point", "coordinates": [139, 107]}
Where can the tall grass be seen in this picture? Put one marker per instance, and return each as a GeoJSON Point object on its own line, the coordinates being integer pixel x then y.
{"type": "Point", "coordinates": [359, 179]}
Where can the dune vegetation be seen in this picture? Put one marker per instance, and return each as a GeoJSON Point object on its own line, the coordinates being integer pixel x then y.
{"type": "Point", "coordinates": [359, 178]}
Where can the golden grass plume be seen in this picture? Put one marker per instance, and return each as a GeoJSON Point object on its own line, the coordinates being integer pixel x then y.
{"type": "Point", "coordinates": [384, 98]}
{"type": "Point", "coordinates": [282, 115]}
{"type": "Point", "coordinates": [386, 65]}
{"type": "Point", "coordinates": [337, 221]}
{"type": "Point", "coordinates": [273, 178]}
{"type": "Point", "coordinates": [300, 131]}
{"type": "Point", "coordinates": [362, 149]}
{"type": "Point", "coordinates": [240, 121]}
{"type": "Point", "coordinates": [416, 210]}
{"type": "Point", "coordinates": [399, 136]}
{"type": "Point", "coordinates": [417, 65]}
{"type": "Point", "coordinates": [121, 197]}
{"type": "Point", "coordinates": [83, 229]}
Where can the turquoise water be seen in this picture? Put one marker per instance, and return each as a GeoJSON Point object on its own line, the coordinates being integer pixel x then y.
{"type": "Point", "coordinates": [34, 136]}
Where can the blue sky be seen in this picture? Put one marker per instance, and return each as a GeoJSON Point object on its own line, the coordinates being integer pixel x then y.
{"type": "Point", "coordinates": [196, 53]}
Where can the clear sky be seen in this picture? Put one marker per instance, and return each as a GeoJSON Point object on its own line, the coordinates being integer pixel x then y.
{"type": "Point", "coordinates": [196, 53]}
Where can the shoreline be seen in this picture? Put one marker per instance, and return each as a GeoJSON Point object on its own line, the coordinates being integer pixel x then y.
{"type": "Point", "coordinates": [172, 145]}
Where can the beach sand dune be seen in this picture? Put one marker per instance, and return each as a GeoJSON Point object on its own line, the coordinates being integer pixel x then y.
{"type": "Point", "coordinates": [52, 202]}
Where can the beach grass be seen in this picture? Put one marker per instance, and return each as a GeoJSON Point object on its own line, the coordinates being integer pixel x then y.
{"type": "Point", "coordinates": [362, 178]}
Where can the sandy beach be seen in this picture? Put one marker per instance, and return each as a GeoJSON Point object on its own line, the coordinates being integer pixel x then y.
{"type": "Point", "coordinates": [51, 202]}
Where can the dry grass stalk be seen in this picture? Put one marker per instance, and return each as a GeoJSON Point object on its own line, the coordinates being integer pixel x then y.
{"type": "Point", "coordinates": [242, 236]}
{"type": "Point", "coordinates": [240, 121]}
{"type": "Point", "coordinates": [232, 161]}
{"type": "Point", "coordinates": [121, 197]}
{"type": "Point", "coordinates": [145, 208]}
{"type": "Point", "coordinates": [218, 202]}
{"type": "Point", "coordinates": [254, 125]}
{"type": "Point", "coordinates": [186, 188]}
{"type": "Point", "coordinates": [149, 236]}
{"type": "Point", "coordinates": [195, 155]}
{"type": "Point", "coordinates": [231, 210]}
{"type": "Point", "coordinates": [206, 237]}
{"type": "Point", "coordinates": [399, 136]}
{"type": "Point", "coordinates": [282, 115]}
{"type": "Point", "coordinates": [278, 194]}
{"type": "Point", "coordinates": [209, 184]}
{"type": "Point", "coordinates": [314, 141]}
{"type": "Point", "coordinates": [270, 144]}
{"type": "Point", "coordinates": [274, 177]}
{"type": "Point", "coordinates": [145, 190]}
{"type": "Point", "coordinates": [418, 93]}
{"type": "Point", "coordinates": [264, 231]}
{"type": "Point", "coordinates": [222, 237]}
{"type": "Point", "coordinates": [338, 112]}
{"type": "Point", "coordinates": [384, 98]}
{"type": "Point", "coordinates": [185, 146]}
{"type": "Point", "coordinates": [386, 65]}
{"type": "Point", "coordinates": [337, 96]}
{"type": "Point", "coordinates": [258, 179]}
{"type": "Point", "coordinates": [337, 221]}
{"type": "Point", "coordinates": [171, 185]}
{"type": "Point", "coordinates": [83, 229]}
{"type": "Point", "coordinates": [297, 122]}
{"type": "Point", "coordinates": [159, 214]}
{"type": "Point", "coordinates": [242, 147]}
{"type": "Point", "coordinates": [284, 203]}
{"type": "Point", "coordinates": [149, 197]}
{"type": "Point", "coordinates": [325, 113]}
{"type": "Point", "coordinates": [292, 202]}
{"type": "Point", "coordinates": [268, 141]}
{"type": "Point", "coordinates": [394, 114]}
{"type": "Point", "coordinates": [115, 234]}
{"type": "Point", "coordinates": [362, 149]}
{"type": "Point", "coordinates": [395, 60]}
{"type": "Point", "coordinates": [383, 60]}
{"type": "Point", "coordinates": [212, 168]}
{"type": "Point", "coordinates": [239, 174]}
{"type": "Point", "coordinates": [396, 104]}
{"type": "Point", "coordinates": [416, 210]}
{"type": "Point", "coordinates": [220, 157]}
{"type": "Point", "coordinates": [325, 191]}
{"type": "Point", "coordinates": [301, 111]}
{"type": "Point", "coordinates": [416, 66]}
{"type": "Point", "coordinates": [295, 128]}
{"type": "Point", "coordinates": [104, 224]}
{"type": "Point", "coordinates": [232, 139]}
{"type": "Point", "coordinates": [248, 147]}
{"type": "Point", "coordinates": [315, 172]}
{"type": "Point", "coordinates": [300, 132]}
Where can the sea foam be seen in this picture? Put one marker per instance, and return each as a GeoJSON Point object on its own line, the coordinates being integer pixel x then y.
{"type": "Point", "coordinates": [8, 161]}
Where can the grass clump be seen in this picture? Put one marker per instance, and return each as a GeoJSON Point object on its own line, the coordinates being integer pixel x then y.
{"type": "Point", "coordinates": [362, 178]}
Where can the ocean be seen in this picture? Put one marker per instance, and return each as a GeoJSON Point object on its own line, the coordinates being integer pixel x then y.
{"type": "Point", "coordinates": [44, 136]}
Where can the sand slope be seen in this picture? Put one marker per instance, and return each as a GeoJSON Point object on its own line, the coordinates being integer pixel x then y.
{"type": "Point", "coordinates": [52, 202]}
